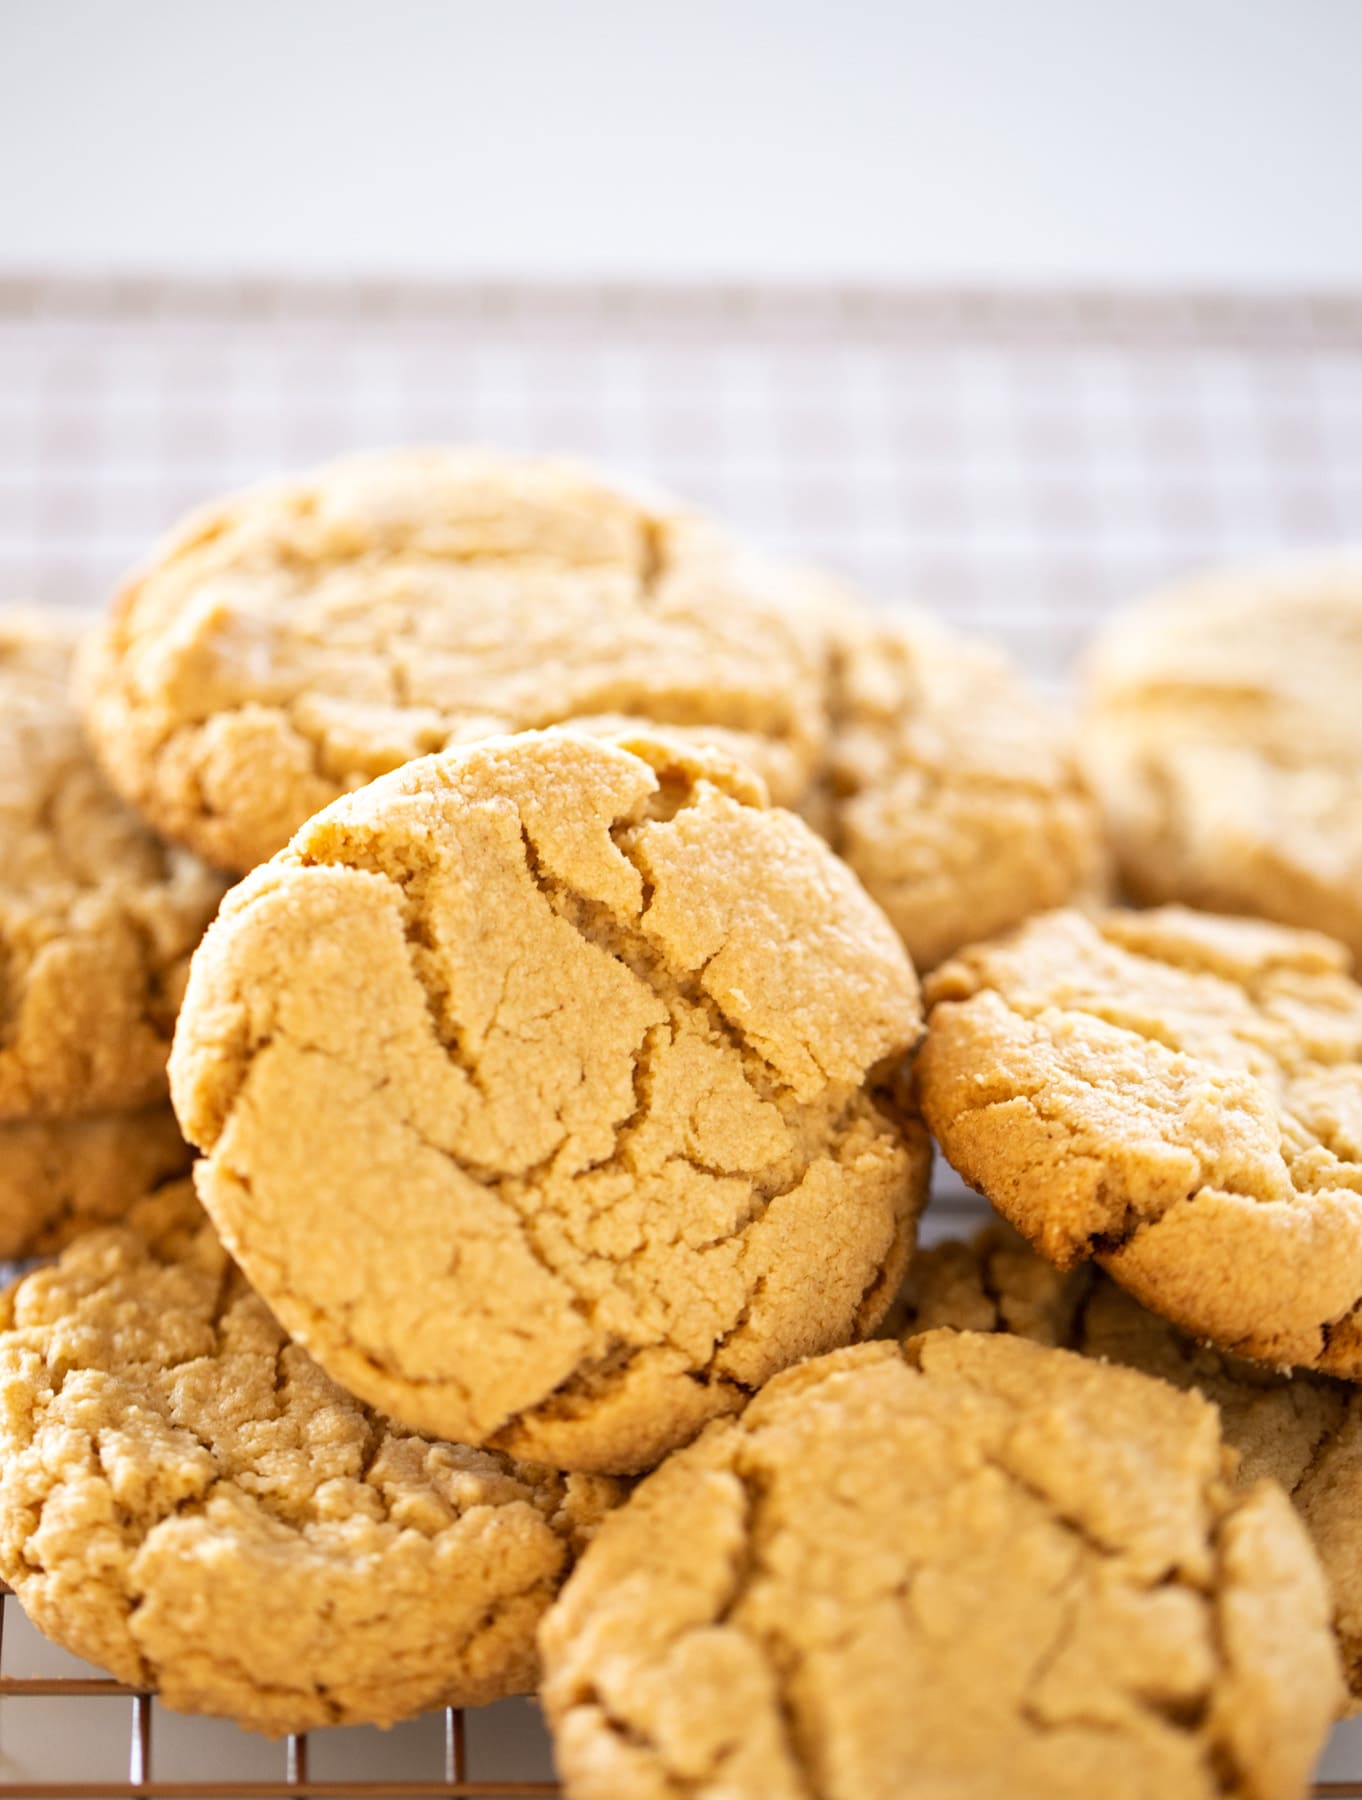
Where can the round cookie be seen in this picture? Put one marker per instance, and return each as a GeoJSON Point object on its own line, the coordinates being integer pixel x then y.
{"type": "Point", "coordinates": [1178, 1095]}
{"type": "Point", "coordinates": [1304, 1431]}
{"type": "Point", "coordinates": [97, 916]}
{"type": "Point", "coordinates": [543, 1087]}
{"type": "Point", "coordinates": [186, 1499]}
{"type": "Point", "coordinates": [59, 1177]}
{"type": "Point", "coordinates": [953, 791]}
{"type": "Point", "coordinates": [971, 1566]}
{"type": "Point", "coordinates": [1225, 739]}
{"type": "Point", "coordinates": [294, 642]}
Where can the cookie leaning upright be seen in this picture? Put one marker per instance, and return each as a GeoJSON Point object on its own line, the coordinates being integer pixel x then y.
{"type": "Point", "coordinates": [97, 917]}
{"type": "Point", "coordinates": [1178, 1095]}
{"type": "Point", "coordinates": [186, 1499]}
{"type": "Point", "coordinates": [292, 643]}
{"type": "Point", "coordinates": [970, 1567]}
{"type": "Point", "coordinates": [953, 790]}
{"type": "Point", "coordinates": [544, 1088]}
{"type": "Point", "coordinates": [1224, 736]}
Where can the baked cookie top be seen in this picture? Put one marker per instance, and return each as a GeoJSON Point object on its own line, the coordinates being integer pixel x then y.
{"type": "Point", "coordinates": [294, 642]}
{"type": "Point", "coordinates": [97, 916]}
{"type": "Point", "coordinates": [1302, 1430]}
{"type": "Point", "coordinates": [59, 1177]}
{"type": "Point", "coordinates": [971, 1562]}
{"type": "Point", "coordinates": [1224, 735]}
{"type": "Point", "coordinates": [953, 790]}
{"type": "Point", "coordinates": [1179, 1095]}
{"type": "Point", "coordinates": [186, 1499]}
{"type": "Point", "coordinates": [533, 1082]}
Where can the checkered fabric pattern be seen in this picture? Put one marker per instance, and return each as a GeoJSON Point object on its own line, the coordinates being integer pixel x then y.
{"type": "Point", "coordinates": [1023, 464]}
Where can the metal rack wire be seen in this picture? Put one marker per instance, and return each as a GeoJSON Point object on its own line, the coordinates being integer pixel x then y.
{"type": "Point", "coordinates": [1022, 463]}
{"type": "Point", "coordinates": [454, 1780]}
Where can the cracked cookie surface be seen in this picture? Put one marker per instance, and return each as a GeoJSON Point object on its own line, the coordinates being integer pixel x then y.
{"type": "Point", "coordinates": [1302, 1430]}
{"type": "Point", "coordinates": [1223, 733]}
{"type": "Point", "coordinates": [952, 790]}
{"type": "Point", "coordinates": [292, 643]}
{"type": "Point", "coordinates": [1179, 1095]}
{"type": "Point", "coordinates": [928, 1570]}
{"type": "Point", "coordinates": [59, 1177]}
{"type": "Point", "coordinates": [544, 1088]}
{"type": "Point", "coordinates": [186, 1499]}
{"type": "Point", "coordinates": [97, 916]}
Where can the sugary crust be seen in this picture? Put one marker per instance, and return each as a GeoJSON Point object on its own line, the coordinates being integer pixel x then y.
{"type": "Point", "coordinates": [934, 1569]}
{"type": "Point", "coordinates": [954, 791]}
{"type": "Point", "coordinates": [294, 642]}
{"type": "Point", "coordinates": [59, 1177]}
{"type": "Point", "coordinates": [534, 1086]}
{"type": "Point", "coordinates": [1304, 1431]}
{"type": "Point", "coordinates": [1223, 734]}
{"type": "Point", "coordinates": [97, 917]}
{"type": "Point", "coordinates": [186, 1499]}
{"type": "Point", "coordinates": [1178, 1095]}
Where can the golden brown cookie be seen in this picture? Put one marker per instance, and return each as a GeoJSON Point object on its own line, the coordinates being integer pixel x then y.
{"type": "Point", "coordinates": [534, 1086]}
{"type": "Point", "coordinates": [294, 642]}
{"type": "Point", "coordinates": [1302, 1430]}
{"type": "Point", "coordinates": [186, 1499]}
{"type": "Point", "coordinates": [953, 791]}
{"type": "Point", "coordinates": [1224, 735]}
{"type": "Point", "coordinates": [971, 1567]}
{"type": "Point", "coordinates": [59, 1177]}
{"type": "Point", "coordinates": [1178, 1095]}
{"type": "Point", "coordinates": [97, 916]}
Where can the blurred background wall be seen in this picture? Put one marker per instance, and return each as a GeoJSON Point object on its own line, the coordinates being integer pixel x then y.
{"type": "Point", "coordinates": [1211, 142]}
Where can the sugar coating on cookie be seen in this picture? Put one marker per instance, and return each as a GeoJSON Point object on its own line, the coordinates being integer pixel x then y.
{"type": "Point", "coordinates": [1302, 1430]}
{"type": "Point", "coordinates": [972, 1566]}
{"type": "Point", "coordinates": [1178, 1095]}
{"type": "Point", "coordinates": [97, 916]}
{"type": "Point", "coordinates": [294, 642]}
{"type": "Point", "coordinates": [1224, 735]}
{"type": "Point", "coordinates": [59, 1177]}
{"type": "Point", "coordinates": [953, 790]}
{"type": "Point", "coordinates": [187, 1500]}
{"type": "Point", "coordinates": [535, 1087]}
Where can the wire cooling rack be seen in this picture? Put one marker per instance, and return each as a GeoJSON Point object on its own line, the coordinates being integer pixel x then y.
{"type": "Point", "coordinates": [1021, 463]}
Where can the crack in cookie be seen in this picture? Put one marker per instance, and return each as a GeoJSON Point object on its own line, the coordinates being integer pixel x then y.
{"type": "Point", "coordinates": [1177, 1095]}
{"type": "Point", "coordinates": [545, 1090]}
{"type": "Point", "coordinates": [1301, 1430]}
{"type": "Point", "coordinates": [297, 641]}
{"type": "Point", "coordinates": [186, 1499]}
{"type": "Point", "coordinates": [908, 1569]}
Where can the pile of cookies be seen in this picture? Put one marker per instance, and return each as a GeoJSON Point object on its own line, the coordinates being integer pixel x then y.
{"type": "Point", "coordinates": [541, 1308]}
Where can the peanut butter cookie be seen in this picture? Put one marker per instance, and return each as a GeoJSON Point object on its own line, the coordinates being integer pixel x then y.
{"type": "Point", "coordinates": [973, 1566]}
{"type": "Point", "coordinates": [290, 644]}
{"type": "Point", "coordinates": [1225, 738]}
{"type": "Point", "coordinates": [543, 1087]}
{"type": "Point", "coordinates": [1302, 1430]}
{"type": "Point", "coordinates": [186, 1499]}
{"type": "Point", "coordinates": [1178, 1095]}
{"type": "Point", "coordinates": [59, 1177]}
{"type": "Point", "coordinates": [97, 916]}
{"type": "Point", "coordinates": [954, 791]}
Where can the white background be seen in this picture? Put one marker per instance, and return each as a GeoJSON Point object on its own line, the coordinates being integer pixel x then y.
{"type": "Point", "coordinates": [1171, 141]}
